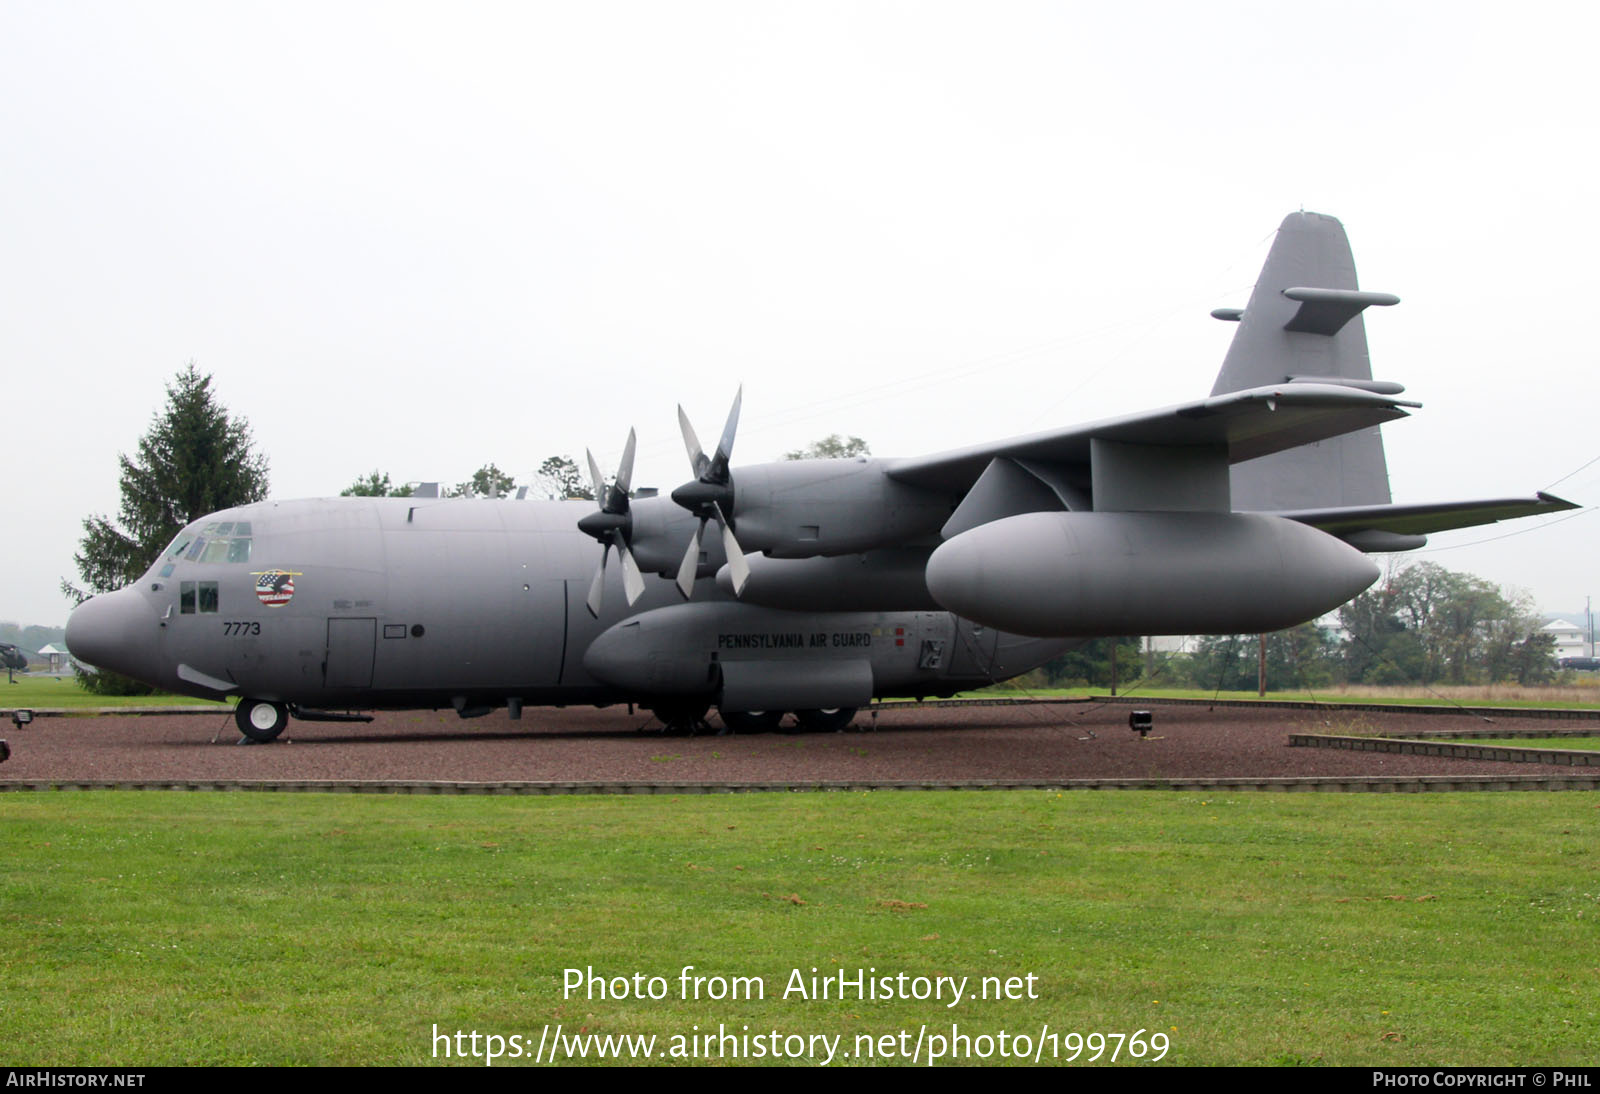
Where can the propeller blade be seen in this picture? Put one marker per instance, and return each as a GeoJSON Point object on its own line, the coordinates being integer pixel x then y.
{"type": "Point", "coordinates": [624, 483]}
{"type": "Point", "coordinates": [691, 563]}
{"type": "Point", "coordinates": [632, 579]}
{"type": "Point", "coordinates": [598, 479]}
{"type": "Point", "coordinates": [719, 462]}
{"type": "Point", "coordinates": [740, 569]}
{"type": "Point", "coordinates": [697, 456]}
{"type": "Point", "coordinates": [597, 586]}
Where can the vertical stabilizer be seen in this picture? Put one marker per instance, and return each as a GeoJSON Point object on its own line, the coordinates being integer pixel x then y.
{"type": "Point", "coordinates": [1304, 320]}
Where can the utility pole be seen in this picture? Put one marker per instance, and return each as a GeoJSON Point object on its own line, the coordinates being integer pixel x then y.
{"type": "Point", "coordinates": [1261, 670]}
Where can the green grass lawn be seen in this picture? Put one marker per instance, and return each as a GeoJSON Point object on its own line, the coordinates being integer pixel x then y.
{"type": "Point", "coordinates": [151, 928]}
{"type": "Point", "coordinates": [55, 691]}
{"type": "Point", "coordinates": [1586, 743]}
{"type": "Point", "coordinates": [1416, 696]}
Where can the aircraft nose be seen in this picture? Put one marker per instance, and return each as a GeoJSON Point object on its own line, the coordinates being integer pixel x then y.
{"type": "Point", "coordinates": [116, 631]}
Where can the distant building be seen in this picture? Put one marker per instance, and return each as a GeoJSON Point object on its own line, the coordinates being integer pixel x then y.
{"type": "Point", "coordinates": [1571, 639]}
{"type": "Point", "coordinates": [59, 659]}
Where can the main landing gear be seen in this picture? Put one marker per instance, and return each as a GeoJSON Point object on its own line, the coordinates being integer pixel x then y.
{"type": "Point", "coordinates": [828, 720]}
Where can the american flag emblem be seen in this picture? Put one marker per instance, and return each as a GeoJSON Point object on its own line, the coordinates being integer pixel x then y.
{"type": "Point", "coordinates": [275, 588]}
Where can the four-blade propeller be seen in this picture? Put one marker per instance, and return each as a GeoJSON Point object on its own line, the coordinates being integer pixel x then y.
{"type": "Point", "coordinates": [612, 525]}
{"type": "Point", "coordinates": [710, 497]}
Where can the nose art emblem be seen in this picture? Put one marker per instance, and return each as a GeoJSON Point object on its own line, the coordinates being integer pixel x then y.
{"type": "Point", "coordinates": [275, 588]}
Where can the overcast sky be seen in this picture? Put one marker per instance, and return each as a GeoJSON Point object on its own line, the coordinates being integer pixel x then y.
{"type": "Point", "coordinates": [423, 237]}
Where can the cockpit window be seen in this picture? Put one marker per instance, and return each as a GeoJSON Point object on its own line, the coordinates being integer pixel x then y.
{"type": "Point", "coordinates": [214, 542]}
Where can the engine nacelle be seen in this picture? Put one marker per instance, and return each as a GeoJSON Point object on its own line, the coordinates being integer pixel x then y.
{"type": "Point", "coordinates": [1093, 574]}
{"type": "Point", "coordinates": [806, 508]}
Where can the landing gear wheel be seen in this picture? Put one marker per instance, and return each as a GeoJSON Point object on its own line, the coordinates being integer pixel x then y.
{"type": "Point", "coordinates": [687, 717]}
{"type": "Point", "coordinates": [826, 720]}
{"type": "Point", "coordinates": [751, 721]}
{"type": "Point", "coordinates": [259, 720]}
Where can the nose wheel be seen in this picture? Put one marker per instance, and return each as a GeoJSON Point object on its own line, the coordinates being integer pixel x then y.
{"type": "Point", "coordinates": [260, 720]}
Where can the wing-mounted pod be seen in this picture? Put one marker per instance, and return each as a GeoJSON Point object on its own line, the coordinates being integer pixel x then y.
{"type": "Point", "coordinates": [1110, 573]}
{"type": "Point", "coordinates": [1159, 552]}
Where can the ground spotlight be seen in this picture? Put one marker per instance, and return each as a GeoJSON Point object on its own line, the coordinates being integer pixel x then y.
{"type": "Point", "coordinates": [1140, 722]}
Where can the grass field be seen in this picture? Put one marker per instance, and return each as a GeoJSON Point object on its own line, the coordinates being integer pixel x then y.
{"type": "Point", "coordinates": [38, 691]}
{"type": "Point", "coordinates": [1575, 697]}
{"type": "Point", "coordinates": [150, 928]}
{"type": "Point", "coordinates": [1589, 744]}
{"type": "Point", "coordinates": [55, 691]}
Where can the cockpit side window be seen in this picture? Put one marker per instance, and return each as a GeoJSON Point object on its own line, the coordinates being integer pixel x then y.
{"type": "Point", "coordinates": [197, 594]}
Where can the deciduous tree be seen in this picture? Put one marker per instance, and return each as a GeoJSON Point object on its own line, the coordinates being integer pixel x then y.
{"type": "Point", "coordinates": [560, 479]}
{"type": "Point", "coordinates": [831, 447]}
{"type": "Point", "coordinates": [376, 485]}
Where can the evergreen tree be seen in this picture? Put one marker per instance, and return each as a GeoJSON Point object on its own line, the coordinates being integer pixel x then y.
{"type": "Point", "coordinates": [195, 460]}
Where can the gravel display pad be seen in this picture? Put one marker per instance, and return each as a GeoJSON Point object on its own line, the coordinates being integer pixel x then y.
{"type": "Point", "coordinates": [1027, 742]}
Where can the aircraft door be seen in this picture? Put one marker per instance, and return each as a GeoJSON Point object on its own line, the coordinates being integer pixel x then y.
{"type": "Point", "coordinates": [352, 644]}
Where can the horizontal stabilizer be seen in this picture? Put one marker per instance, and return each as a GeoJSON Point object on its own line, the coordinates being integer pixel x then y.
{"type": "Point", "coordinates": [1350, 522]}
{"type": "Point", "coordinates": [1382, 387]}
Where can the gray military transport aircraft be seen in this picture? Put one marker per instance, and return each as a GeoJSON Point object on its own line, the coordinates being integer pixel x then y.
{"type": "Point", "coordinates": [829, 581]}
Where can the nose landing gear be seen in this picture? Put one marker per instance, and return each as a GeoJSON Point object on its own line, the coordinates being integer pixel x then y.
{"type": "Point", "coordinates": [260, 720]}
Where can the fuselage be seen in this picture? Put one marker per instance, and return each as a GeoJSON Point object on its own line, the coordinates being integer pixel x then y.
{"type": "Point", "coordinates": [364, 603]}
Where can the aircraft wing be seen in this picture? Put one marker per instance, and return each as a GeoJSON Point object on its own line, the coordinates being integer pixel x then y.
{"type": "Point", "coordinates": [1250, 423]}
{"type": "Point", "coordinates": [1415, 520]}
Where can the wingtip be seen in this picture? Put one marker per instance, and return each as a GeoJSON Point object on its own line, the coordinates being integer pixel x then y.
{"type": "Point", "coordinates": [1555, 502]}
